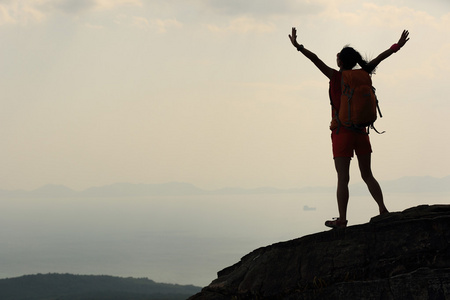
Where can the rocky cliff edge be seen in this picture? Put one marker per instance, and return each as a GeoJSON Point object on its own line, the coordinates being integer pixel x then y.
{"type": "Point", "coordinates": [400, 255]}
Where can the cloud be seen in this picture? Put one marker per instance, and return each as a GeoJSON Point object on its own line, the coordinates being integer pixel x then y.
{"type": "Point", "coordinates": [31, 11]}
{"type": "Point", "coordinates": [395, 17]}
{"type": "Point", "coordinates": [15, 12]}
{"type": "Point", "coordinates": [111, 4]}
{"type": "Point", "coordinates": [157, 25]}
{"type": "Point", "coordinates": [254, 16]}
{"type": "Point", "coordinates": [244, 25]}
{"type": "Point", "coordinates": [5, 15]}
{"type": "Point", "coordinates": [386, 16]}
{"type": "Point", "coordinates": [81, 6]}
{"type": "Point", "coordinates": [71, 6]}
{"type": "Point", "coordinates": [264, 7]}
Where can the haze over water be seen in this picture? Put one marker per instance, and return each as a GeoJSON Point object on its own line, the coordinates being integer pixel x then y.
{"type": "Point", "coordinates": [173, 239]}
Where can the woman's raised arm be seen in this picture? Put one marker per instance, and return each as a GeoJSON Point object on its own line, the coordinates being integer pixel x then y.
{"type": "Point", "coordinates": [327, 71]}
{"type": "Point", "coordinates": [394, 48]}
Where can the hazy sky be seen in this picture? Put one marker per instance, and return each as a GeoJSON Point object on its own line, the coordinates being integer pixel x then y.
{"type": "Point", "coordinates": [95, 92]}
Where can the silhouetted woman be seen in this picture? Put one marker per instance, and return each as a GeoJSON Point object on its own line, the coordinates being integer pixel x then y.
{"type": "Point", "coordinates": [347, 141]}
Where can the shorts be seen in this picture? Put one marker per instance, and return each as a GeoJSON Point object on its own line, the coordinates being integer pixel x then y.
{"type": "Point", "coordinates": [346, 142]}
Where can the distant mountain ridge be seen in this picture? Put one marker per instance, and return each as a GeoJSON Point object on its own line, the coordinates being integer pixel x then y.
{"type": "Point", "coordinates": [76, 287]}
{"type": "Point", "coordinates": [414, 184]}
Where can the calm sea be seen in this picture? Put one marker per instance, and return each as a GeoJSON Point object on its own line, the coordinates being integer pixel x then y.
{"type": "Point", "coordinates": [184, 239]}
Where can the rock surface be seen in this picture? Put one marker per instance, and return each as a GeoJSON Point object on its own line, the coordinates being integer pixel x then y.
{"type": "Point", "coordinates": [401, 255]}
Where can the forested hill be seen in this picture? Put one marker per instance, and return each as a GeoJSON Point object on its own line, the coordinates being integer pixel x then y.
{"type": "Point", "coordinates": [90, 287]}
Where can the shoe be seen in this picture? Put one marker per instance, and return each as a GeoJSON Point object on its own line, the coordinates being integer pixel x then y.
{"type": "Point", "coordinates": [336, 223]}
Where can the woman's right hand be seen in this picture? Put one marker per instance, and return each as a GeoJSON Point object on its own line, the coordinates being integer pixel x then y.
{"type": "Point", "coordinates": [293, 38]}
{"type": "Point", "coordinates": [404, 38]}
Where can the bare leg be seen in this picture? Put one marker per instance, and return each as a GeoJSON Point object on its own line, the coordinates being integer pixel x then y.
{"type": "Point", "coordinates": [342, 165]}
{"type": "Point", "coordinates": [372, 183]}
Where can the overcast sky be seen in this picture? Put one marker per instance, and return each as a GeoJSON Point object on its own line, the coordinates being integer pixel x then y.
{"type": "Point", "coordinates": [95, 92]}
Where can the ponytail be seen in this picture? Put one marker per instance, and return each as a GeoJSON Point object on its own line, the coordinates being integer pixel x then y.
{"type": "Point", "coordinates": [364, 65]}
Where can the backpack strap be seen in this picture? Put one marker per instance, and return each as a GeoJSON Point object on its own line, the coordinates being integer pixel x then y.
{"type": "Point", "coordinates": [373, 127]}
{"type": "Point", "coordinates": [379, 112]}
{"type": "Point", "coordinates": [347, 91]}
{"type": "Point", "coordinates": [378, 107]}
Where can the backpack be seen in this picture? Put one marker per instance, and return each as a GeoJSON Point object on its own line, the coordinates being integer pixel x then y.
{"type": "Point", "coordinates": [359, 104]}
